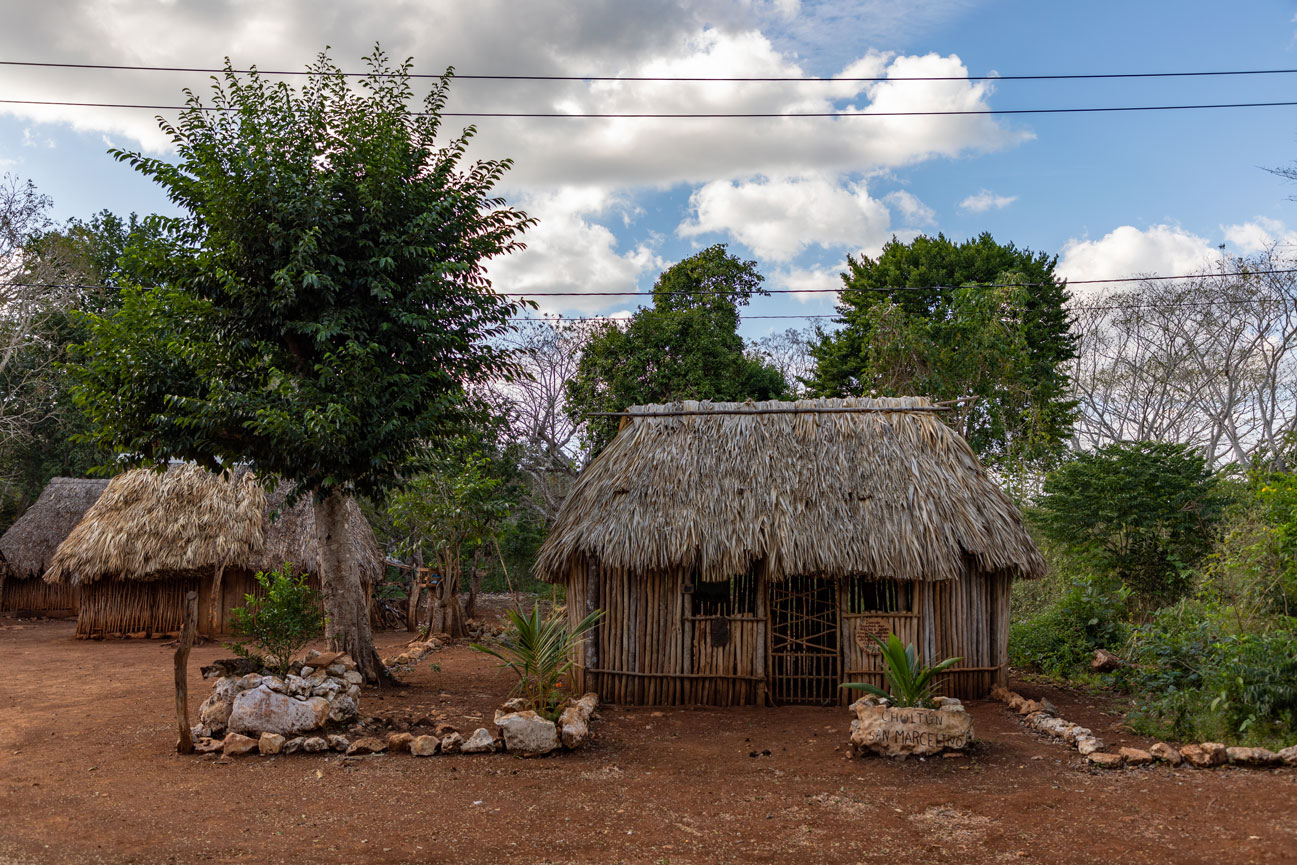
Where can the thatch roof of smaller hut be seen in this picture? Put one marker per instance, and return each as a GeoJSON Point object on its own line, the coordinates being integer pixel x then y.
{"type": "Point", "coordinates": [30, 542]}
{"type": "Point", "coordinates": [290, 537]}
{"type": "Point", "coordinates": [152, 525]}
{"type": "Point", "coordinates": [805, 486]}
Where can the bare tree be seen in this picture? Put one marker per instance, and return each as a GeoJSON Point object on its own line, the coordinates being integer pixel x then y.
{"type": "Point", "coordinates": [533, 409]}
{"type": "Point", "coordinates": [33, 288]}
{"type": "Point", "coordinates": [1208, 360]}
{"type": "Point", "coordinates": [788, 351]}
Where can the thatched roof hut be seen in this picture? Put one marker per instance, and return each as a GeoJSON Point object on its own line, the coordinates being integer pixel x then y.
{"type": "Point", "coordinates": [151, 525]}
{"type": "Point", "coordinates": [29, 544]}
{"type": "Point", "coordinates": [828, 511]}
{"type": "Point", "coordinates": [188, 528]}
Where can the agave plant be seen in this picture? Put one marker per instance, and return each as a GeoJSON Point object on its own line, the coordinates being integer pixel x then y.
{"type": "Point", "coordinates": [909, 682]}
{"type": "Point", "coordinates": [539, 650]}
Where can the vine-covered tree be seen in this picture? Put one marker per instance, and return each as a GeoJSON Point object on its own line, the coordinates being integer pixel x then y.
{"type": "Point", "coordinates": [685, 346]}
{"type": "Point", "coordinates": [979, 320]}
{"type": "Point", "coordinates": [320, 307]}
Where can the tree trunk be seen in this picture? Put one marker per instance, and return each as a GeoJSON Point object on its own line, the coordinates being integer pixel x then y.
{"type": "Point", "coordinates": [447, 614]}
{"type": "Point", "coordinates": [474, 585]}
{"type": "Point", "coordinates": [346, 613]}
{"type": "Point", "coordinates": [416, 576]}
{"type": "Point", "coordinates": [216, 602]}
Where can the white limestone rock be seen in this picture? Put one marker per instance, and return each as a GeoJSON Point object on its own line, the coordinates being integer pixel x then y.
{"type": "Point", "coordinates": [527, 734]}
{"type": "Point", "coordinates": [481, 742]}
{"type": "Point", "coordinates": [262, 710]}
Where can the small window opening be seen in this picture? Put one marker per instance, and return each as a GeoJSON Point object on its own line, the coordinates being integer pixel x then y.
{"type": "Point", "coordinates": [733, 597]}
{"type": "Point", "coordinates": [880, 596]}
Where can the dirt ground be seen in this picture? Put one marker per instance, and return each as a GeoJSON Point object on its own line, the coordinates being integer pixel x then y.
{"type": "Point", "coordinates": [89, 773]}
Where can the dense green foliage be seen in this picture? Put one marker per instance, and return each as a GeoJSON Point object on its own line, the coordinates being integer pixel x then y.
{"type": "Point", "coordinates": [1140, 512]}
{"type": "Point", "coordinates": [1200, 678]}
{"type": "Point", "coordinates": [322, 304]}
{"type": "Point", "coordinates": [977, 320]}
{"type": "Point", "coordinates": [84, 262]}
{"type": "Point", "coordinates": [1219, 664]}
{"type": "Point", "coordinates": [909, 683]}
{"type": "Point", "coordinates": [321, 307]}
{"type": "Point", "coordinates": [539, 650]}
{"type": "Point", "coordinates": [1060, 639]}
{"type": "Point", "coordinates": [280, 622]}
{"type": "Point", "coordinates": [685, 346]}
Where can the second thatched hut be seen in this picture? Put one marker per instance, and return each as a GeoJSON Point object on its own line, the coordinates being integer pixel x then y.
{"type": "Point", "coordinates": [749, 552]}
{"type": "Point", "coordinates": [30, 542]}
{"type": "Point", "coordinates": [154, 536]}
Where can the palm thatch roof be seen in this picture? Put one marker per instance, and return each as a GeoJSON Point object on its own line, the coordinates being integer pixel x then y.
{"type": "Point", "coordinates": [31, 541]}
{"type": "Point", "coordinates": [149, 525]}
{"type": "Point", "coordinates": [809, 488]}
{"type": "Point", "coordinates": [290, 537]}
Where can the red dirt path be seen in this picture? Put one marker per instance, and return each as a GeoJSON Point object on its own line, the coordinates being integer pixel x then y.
{"type": "Point", "coordinates": [88, 773]}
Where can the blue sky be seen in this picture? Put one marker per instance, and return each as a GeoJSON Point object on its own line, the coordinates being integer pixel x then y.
{"type": "Point", "coordinates": [1112, 194]}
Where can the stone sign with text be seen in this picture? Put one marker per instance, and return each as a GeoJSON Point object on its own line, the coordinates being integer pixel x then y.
{"type": "Point", "coordinates": [894, 732]}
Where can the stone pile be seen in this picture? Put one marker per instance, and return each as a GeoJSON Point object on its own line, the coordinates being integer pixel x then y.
{"type": "Point", "coordinates": [416, 651]}
{"type": "Point", "coordinates": [881, 728]}
{"type": "Point", "coordinates": [522, 733]}
{"type": "Point", "coordinates": [1042, 716]}
{"type": "Point", "coordinates": [529, 735]}
{"type": "Point", "coordinates": [320, 690]}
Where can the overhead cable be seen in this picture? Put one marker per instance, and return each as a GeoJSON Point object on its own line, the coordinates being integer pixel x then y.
{"type": "Point", "coordinates": [719, 293]}
{"type": "Point", "coordinates": [749, 115]}
{"type": "Point", "coordinates": [1081, 76]}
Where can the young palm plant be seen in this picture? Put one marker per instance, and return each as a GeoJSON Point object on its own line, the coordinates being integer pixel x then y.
{"type": "Point", "coordinates": [539, 651]}
{"type": "Point", "coordinates": [909, 682]}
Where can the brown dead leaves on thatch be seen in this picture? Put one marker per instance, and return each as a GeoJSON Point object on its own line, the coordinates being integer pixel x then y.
{"type": "Point", "coordinates": [31, 541]}
{"type": "Point", "coordinates": [889, 494]}
{"type": "Point", "coordinates": [149, 525]}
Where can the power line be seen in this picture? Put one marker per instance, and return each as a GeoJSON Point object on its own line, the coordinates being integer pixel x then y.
{"type": "Point", "coordinates": [753, 115]}
{"type": "Point", "coordinates": [719, 293]}
{"type": "Point", "coordinates": [1091, 76]}
{"type": "Point", "coordinates": [1122, 279]}
{"type": "Point", "coordinates": [1244, 301]}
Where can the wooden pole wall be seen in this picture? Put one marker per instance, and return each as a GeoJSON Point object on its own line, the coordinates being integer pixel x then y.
{"type": "Point", "coordinates": [655, 646]}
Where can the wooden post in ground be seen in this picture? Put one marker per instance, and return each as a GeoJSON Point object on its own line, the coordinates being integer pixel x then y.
{"type": "Point", "coordinates": [186, 743]}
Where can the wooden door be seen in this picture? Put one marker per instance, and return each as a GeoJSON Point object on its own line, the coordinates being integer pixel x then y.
{"type": "Point", "coordinates": [804, 658]}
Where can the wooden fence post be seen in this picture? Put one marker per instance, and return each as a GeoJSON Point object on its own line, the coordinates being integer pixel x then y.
{"type": "Point", "coordinates": [186, 743]}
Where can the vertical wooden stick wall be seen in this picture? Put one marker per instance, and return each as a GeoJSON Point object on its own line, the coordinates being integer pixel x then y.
{"type": "Point", "coordinates": [653, 647]}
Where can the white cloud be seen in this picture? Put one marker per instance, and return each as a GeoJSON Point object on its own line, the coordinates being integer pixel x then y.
{"type": "Point", "coordinates": [1128, 251]}
{"type": "Point", "coordinates": [1259, 235]}
{"type": "Point", "coordinates": [809, 283]}
{"type": "Point", "coordinates": [785, 169]}
{"type": "Point", "coordinates": [778, 218]}
{"type": "Point", "coordinates": [36, 139]}
{"type": "Point", "coordinates": [986, 200]}
{"type": "Point", "coordinates": [569, 251]}
{"type": "Point", "coordinates": [913, 212]}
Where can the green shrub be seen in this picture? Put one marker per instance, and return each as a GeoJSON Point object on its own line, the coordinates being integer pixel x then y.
{"type": "Point", "coordinates": [538, 649]}
{"type": "Point", "coordinates": [1061, 639]}
{"type": "Point", "coordinates": [1196, 678]}
{"type": "Point", "coordinates": [279, 623]}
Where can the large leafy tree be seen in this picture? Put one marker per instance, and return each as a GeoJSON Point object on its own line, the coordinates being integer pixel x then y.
{"type": "Point", "coordinates": [321, 306]}
{"type": "Point", "coordinates": [980, 321]}
{"type": "Point", "coordinates": [1142, 512]}
{"type": "Point", "coordinates": [685, 346]}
